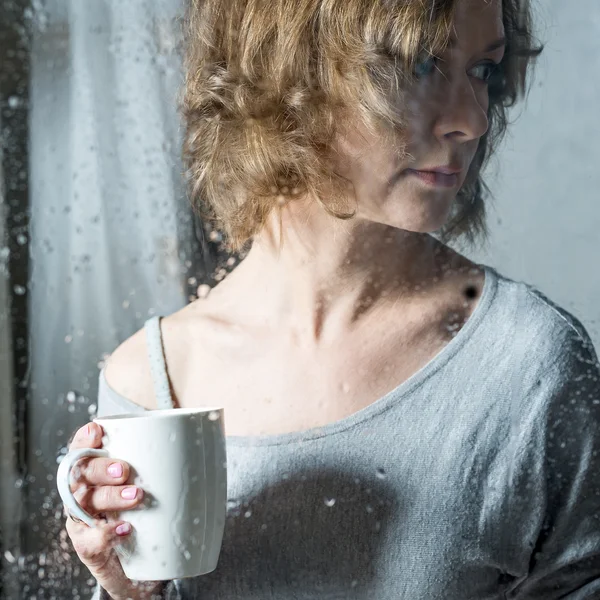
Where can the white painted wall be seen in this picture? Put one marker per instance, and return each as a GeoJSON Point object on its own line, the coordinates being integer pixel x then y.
{"type": "Point", "coordinates": [546, 218]}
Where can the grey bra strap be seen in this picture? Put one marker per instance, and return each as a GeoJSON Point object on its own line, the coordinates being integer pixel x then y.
{"type": "Point", "coordinates": [158, 364]}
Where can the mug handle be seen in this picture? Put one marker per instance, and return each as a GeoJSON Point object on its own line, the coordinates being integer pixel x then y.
{"type": "Point", "coordinates": [63, 477]}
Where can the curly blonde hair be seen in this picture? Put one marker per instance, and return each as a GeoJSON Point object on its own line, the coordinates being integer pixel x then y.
{"type": "Point", "coordinates": [266, 82]}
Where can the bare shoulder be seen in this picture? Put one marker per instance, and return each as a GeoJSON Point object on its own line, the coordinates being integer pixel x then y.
{"type": "Point", "coordinates": [127, 371]}
{"type": "Point", "coordinates": [186, 341]}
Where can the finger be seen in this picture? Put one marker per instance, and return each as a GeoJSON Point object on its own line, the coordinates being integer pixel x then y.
{"type": "Point", "coordinates": [100, 471]}
{"type": "Point", "coordinates": [93, 544]}
{"type": "Point", "coordinates": [89, 436]}
{"type": "Point", "coordinates": [109, 498]}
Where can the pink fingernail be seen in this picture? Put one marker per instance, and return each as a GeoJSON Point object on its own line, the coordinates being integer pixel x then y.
{"type": "Point", "coordinates": [116, 469]}
{"type": "Point", "coordinates": [129, 493]}
{"type": "Point", "coordinates": [123, 529]}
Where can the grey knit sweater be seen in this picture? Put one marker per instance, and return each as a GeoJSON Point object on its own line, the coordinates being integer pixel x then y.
{"type": "Point", "coordinates": [476, 479]}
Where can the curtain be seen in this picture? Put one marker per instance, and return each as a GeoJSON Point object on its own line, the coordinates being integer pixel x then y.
{"type": "Point", "coordinates": [112, 235]}
{"type": "Point", "coordinates": [10, 486]}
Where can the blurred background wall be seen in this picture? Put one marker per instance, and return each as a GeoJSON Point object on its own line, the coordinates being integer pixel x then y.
{"type": "Point", "coordinates": [545, 220]}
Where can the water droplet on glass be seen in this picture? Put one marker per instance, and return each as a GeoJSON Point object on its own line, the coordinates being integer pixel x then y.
{"type": "Point", "coordinates": [71, 397]}
{"type": "Point", "coordinates": [248, 514]}
{"type": "Point", "coordinates": [196, 521]}
{"type": "Point", "coordinates": [19, 290]}
{"type": "Point", "coordinates": [92, 409]}
{"type": "Point", "coordinates": [381, 474]}
{"type": "Point", "coordinates": [203, 291]}
{"type": "Point", "coordinates": [329, 502]}
{"type": "Point", "coordinates": [369, 508]}
{"type": "Point", "coordinates": [14, 101]}
{"type": "Point", "coordinates": [187, 554]}
{"type": "Point", "coordinates": [354, 583]}
{"type": "Point", "coordinates": [8, 555]}
{"type": "Point", "coordinates": [21, 239]}
{"type": "Point", "coordinates": [213, 415]}
{"type": "Point", "coordinates": [68, 339]}
{"type": "Point", "coordinates": [172, 436]}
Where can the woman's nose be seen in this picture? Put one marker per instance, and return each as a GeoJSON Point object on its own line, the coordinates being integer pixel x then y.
{"type": "Point", "coordinates": [462, 112]}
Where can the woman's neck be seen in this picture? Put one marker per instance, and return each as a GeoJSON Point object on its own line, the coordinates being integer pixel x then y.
{"type": "Point", "coordinates": [318, 274]}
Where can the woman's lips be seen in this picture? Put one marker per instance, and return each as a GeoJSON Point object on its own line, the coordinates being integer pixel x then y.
{"type": "Point", "coordinates": [435, 178]}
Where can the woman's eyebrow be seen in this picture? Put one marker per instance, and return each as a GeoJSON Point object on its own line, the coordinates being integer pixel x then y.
{"type": "Point", "coordinates": [490, 48]}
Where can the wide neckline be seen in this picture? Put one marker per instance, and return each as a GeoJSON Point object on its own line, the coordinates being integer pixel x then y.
{"type": "Point", "coordinates": [396, 394]}
{"type": "Point", "coordinates": [382, 404]}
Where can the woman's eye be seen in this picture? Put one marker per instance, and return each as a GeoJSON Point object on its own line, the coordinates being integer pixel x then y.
{"type": "Point", "coordinates": [485, 71]}
{"type": "Point", "coordinates": [425, 67]}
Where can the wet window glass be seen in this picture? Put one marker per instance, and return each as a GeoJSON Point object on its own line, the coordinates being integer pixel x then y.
{"type": "Point", "coordinates": [299, 299]}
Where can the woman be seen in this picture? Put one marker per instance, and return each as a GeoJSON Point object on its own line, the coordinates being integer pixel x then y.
{"type": "Point", "coordinates": [402, 422]}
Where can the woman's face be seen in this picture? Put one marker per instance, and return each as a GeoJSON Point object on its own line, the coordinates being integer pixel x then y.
{"type": "Point", "coordinates": [411, 184]}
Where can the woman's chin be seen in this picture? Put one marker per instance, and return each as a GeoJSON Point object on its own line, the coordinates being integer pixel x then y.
{"type": "Point", "coordinates": [425, 222]}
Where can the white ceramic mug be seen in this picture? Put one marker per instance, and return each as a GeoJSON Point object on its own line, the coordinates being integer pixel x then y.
{"type": "Point", "coordinates": [178, 457]}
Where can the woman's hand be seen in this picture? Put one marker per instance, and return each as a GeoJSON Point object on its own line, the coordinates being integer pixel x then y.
{"type": "Point", "coordinates": [99, 487]}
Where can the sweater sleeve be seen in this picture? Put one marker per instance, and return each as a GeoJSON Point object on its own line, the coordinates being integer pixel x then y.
{"type": "Point", "coordinates": [565, 561]}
